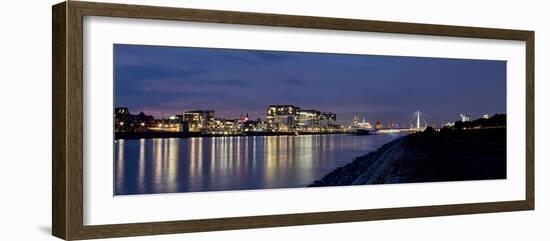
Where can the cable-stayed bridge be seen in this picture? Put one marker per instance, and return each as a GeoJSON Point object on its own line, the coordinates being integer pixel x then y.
{"type": "Point", "coordinates": [418, 121]}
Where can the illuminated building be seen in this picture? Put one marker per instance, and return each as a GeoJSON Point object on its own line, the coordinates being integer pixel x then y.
{"type": "Point", "coordinates": [251, 126]}
{"type": "Point", "coordinates": [122, 111]}
{"type": "Point", "coordinates": [326, 119]}
{"type": "Point", "coordinates": [307, 120]}
{"type": "Point", "coordinates": [464, 117]}
{"type": "Point", "coordinates": [281, 117]}
{"type": "Point", "coordinates": [123, 120]}
{"type": "Point", "coordinates": [243, 118]}
{"type": "Point", "coordinates": [143, 118]}
{"type": "Point", "coordinates": [126, 122]}
{"type": "Point", "coordinates": [224, 126]}
{"type": "Point", "coordinates": [293, 118]}
{"type": "Point", "coordinates": [174, 123]}
{"type": "Point", "coordinates": [485, 116]}
{"type": "Point", "coordinates": [199, 120]}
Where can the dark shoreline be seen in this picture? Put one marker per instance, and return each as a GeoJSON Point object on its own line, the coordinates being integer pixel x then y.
{"type": "Point", "coordinates": [152, 135]}
{"type": "Point", "coordinates": [427, 157]}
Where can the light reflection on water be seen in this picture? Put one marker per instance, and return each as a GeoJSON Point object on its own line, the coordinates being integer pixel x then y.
{"type": "Point", "coordinates": [233, 163]}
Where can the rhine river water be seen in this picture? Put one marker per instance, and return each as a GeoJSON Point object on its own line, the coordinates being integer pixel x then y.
{"type": "Point", "coordinates": [171, 165]}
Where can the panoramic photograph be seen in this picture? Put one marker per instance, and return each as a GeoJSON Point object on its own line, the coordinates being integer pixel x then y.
{"type": "Point", "coordinates": [189, 119]}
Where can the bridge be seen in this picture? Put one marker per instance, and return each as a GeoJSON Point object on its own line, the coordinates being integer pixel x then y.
{"type": "Point", "coordinates": [418, 120]}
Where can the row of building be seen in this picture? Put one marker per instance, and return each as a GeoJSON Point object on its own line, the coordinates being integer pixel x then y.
{"type": "Point", "coordinates": [128, 122]}
{"type": "Point", "coordinates": [293, 118]}
{"type": "Point", "coordinates": [279, 118]}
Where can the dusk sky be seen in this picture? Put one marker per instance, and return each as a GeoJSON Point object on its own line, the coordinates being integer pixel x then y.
{"type": "Point", "coordinates": [170, 80]}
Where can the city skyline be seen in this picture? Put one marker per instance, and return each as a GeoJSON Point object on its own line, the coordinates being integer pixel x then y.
{"type": "Point", "coordinates": [170, 80]}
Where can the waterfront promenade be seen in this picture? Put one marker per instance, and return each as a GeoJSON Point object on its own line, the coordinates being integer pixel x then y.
{"type": "Point", "coordinates": [151, 135]}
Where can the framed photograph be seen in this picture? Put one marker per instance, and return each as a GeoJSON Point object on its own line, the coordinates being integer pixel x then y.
{"type": "Point", "coordinates": [171, 120]}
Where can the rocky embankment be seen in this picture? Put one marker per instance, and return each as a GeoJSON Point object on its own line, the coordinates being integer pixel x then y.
{"type": "Point", "coordinates": [428, 157]}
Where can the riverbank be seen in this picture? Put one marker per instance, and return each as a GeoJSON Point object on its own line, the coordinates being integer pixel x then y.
{"type": "Point", "coordinates": [151, 135]}
{"type": "Point", "coordinates": [428, 157]}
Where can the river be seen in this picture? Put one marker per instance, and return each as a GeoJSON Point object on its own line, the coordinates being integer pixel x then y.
{"type": "Point", "coordinates": [172, 165]}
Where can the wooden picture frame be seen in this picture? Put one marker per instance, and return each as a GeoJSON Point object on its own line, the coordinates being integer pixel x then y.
{"type": "Point", "coordinates": [67, 150]}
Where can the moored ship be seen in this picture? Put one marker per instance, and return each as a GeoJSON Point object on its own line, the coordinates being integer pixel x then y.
{"type": "Point", "coordinates": [363, 127]}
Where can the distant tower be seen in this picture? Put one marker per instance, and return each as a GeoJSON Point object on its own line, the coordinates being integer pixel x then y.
{"type": "Point", "coordinates": [418, 120]}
